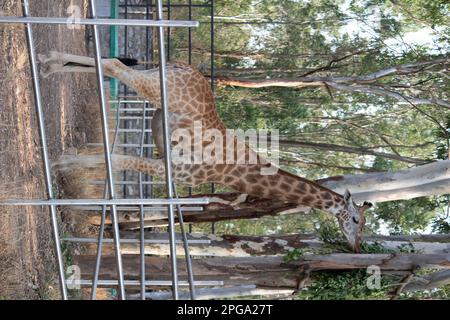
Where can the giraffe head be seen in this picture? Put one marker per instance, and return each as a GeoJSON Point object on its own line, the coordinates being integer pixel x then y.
{"type": "Point", "coordinates": [351, 221]}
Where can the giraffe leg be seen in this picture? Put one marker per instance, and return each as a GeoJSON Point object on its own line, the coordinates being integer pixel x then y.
{"type": "Point", "coordinates": [51, 68]}
{"type": "Point", "coordinates": [64, 58]}
{"type": "Point", "coordinates": [154, 167]}
{"type": "Point", "coordinates": [58, 62]}
{"type": "Point", "coordinates": [157, 131]}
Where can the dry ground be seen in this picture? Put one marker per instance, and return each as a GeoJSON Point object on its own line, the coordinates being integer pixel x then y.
{"type": "Point", "coordinates": [27, 269]}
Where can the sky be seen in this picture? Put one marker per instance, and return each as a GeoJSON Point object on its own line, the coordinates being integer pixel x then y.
{"type": "Point", "coordinates": [399, 44]}
{"type": "Point", "coordinates": [424, 36]}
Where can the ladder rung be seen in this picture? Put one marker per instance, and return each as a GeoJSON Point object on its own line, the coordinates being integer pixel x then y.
{"type": "Point", "coordinates": [123, 241]}
{"type": "Point", "coordinates": [100, 22]}
{"type": "Point", "coordinates": [106, 202]}
{"type": "Point", "coordinates": [131, 118]}
{"type": "Point", "coordinates": [127, 209]}
{"type": "Point", "coordinates": [128, 101]}
{"type": "Point", "coordinates": [137, 283]}
{"type": "Point", "coordinates": [100, 182]}
{"type": "Point", "coordinates": [122, 145]}
{"type": "Point", "coordinates": [135, 109]}
{"type": "Point", "coordinates": [130, 130]}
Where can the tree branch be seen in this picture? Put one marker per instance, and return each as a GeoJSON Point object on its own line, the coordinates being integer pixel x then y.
{"type": "Point", "coordinates": [391, 94]}
{"type": "Point", "coordinates": [349, 84]}
{"type": "Point", "coordinates": [356, 150]}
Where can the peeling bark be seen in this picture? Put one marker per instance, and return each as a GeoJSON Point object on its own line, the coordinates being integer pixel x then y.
{"type": "Point", "coordinates": [261, 271]}
{"type": "Point", "coordinates": [245, 246]}
{"type": "Point", "coordinates": [217, 293]}
{"type": "Point", "coordinates": [425, 180]}
{"type": "Point", "coordinates": [428, 282]}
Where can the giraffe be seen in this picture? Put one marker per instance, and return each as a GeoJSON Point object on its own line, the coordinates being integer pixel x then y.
{"type": "Point", "coordinates": [191, 100]}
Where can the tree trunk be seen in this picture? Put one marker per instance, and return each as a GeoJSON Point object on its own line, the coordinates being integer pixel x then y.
{"type": "Point", "coordinates": [426, 180]}
{"type": "Point", "coordinates": [429, 282]}
{"type": "Point", "coordinates": [261, 271]}
{"type": "Point", "coordinates": [217, 293]}
{"type": "Point", "coordinates": [245, 246]}
{"type": "Point", "coordinates": [270, 271]}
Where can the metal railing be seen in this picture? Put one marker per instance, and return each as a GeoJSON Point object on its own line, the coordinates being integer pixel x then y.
{"type": "Point", "coordinates": [114, 204]}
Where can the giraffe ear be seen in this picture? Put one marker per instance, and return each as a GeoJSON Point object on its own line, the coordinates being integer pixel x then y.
{"type": "Point", "coordinates": [366, 205]}
{"type": "Point", "coordinates": [347, 196]}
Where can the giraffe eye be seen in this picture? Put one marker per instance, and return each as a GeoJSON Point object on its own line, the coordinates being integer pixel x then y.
{"type": "Point", "coordinates": [355, 220]}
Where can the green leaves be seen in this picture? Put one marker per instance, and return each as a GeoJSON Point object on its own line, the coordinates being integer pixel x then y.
{"type": "Point", "coordinates": [344, 285]}
{"type": "Point", "coordinates": [408, 216]}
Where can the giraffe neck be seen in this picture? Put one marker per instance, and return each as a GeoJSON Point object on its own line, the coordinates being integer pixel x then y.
{"type": "Point", "coordinates": [282, 185]}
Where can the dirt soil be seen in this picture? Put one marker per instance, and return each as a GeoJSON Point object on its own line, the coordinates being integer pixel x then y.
{"type": "Point", "coordinates": [27, 264]}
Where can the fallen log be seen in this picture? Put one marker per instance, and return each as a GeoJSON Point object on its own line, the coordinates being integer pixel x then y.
{"type": "Point", "coordinates": [244, 246]}
{"type": "Point", "coordinates": [429, 281]}
{"type": "Point", "coordinates": [216, 293]}
{"type": "Point", "coordinates": [263, 271]}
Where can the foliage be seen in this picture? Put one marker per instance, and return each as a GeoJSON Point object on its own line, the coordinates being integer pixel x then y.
{"type": "Point", "coordinates": [271, 39]}
{"type": "Point", "coordinates": [345, 285]}
{"type": "Point", "coordinates": [408, 216]}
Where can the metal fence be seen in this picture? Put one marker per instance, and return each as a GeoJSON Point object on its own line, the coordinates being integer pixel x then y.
{"type": "Point", "coordinates": [145, 8]}
{"type": "Point", "coordinates": [110, 202]}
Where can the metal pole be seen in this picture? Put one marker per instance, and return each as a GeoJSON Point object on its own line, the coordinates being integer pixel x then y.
{"type": "Point", "coordinates": [187, 253]}
{"type": "Point", "coordinates": [98, 256]}
{"type": "Point", "coordinates": [212, 44]}
{"type": "Point", "coordinates": [47, 173]}
{"type": "Point", "coordinates": [133, 241]}
{"type": "Point", "coordinates": [141, 211]}
{"type": "Point", "coordinates": [190, 195]}
{"type": "Point", "coordinates": [135, 283]}
{"type": "Point", "coordinates": [174, 5]}
{"type": "Point", "coordinates": [149, 58]}
{"type": "Point", "coordinates": [159, 210]}
{"type": "Point", "coordinates": [102, 100]}
{"type": "Point", "coordinates": [213, 188]}
{"type": "Point", "coordinates": [99, 22]}
{"type": "Point", "coordinates": [190, 62]}
{"type": "Point", "coordinates": [125, 91]}
{"type": "Point", "coordinates": [190, 35]}
{"type": "Point", "coordinates": [167, 148]}
{"type": "Point", "coordinates": [168, 31]}
{"type": "Point", "coordinates": [100, 238]}
{"type": "Point", "coordinates": [107, 202]}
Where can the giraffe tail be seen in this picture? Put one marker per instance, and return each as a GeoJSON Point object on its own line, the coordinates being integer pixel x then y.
{"type": "Point", "coordinates": [129, 62]}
